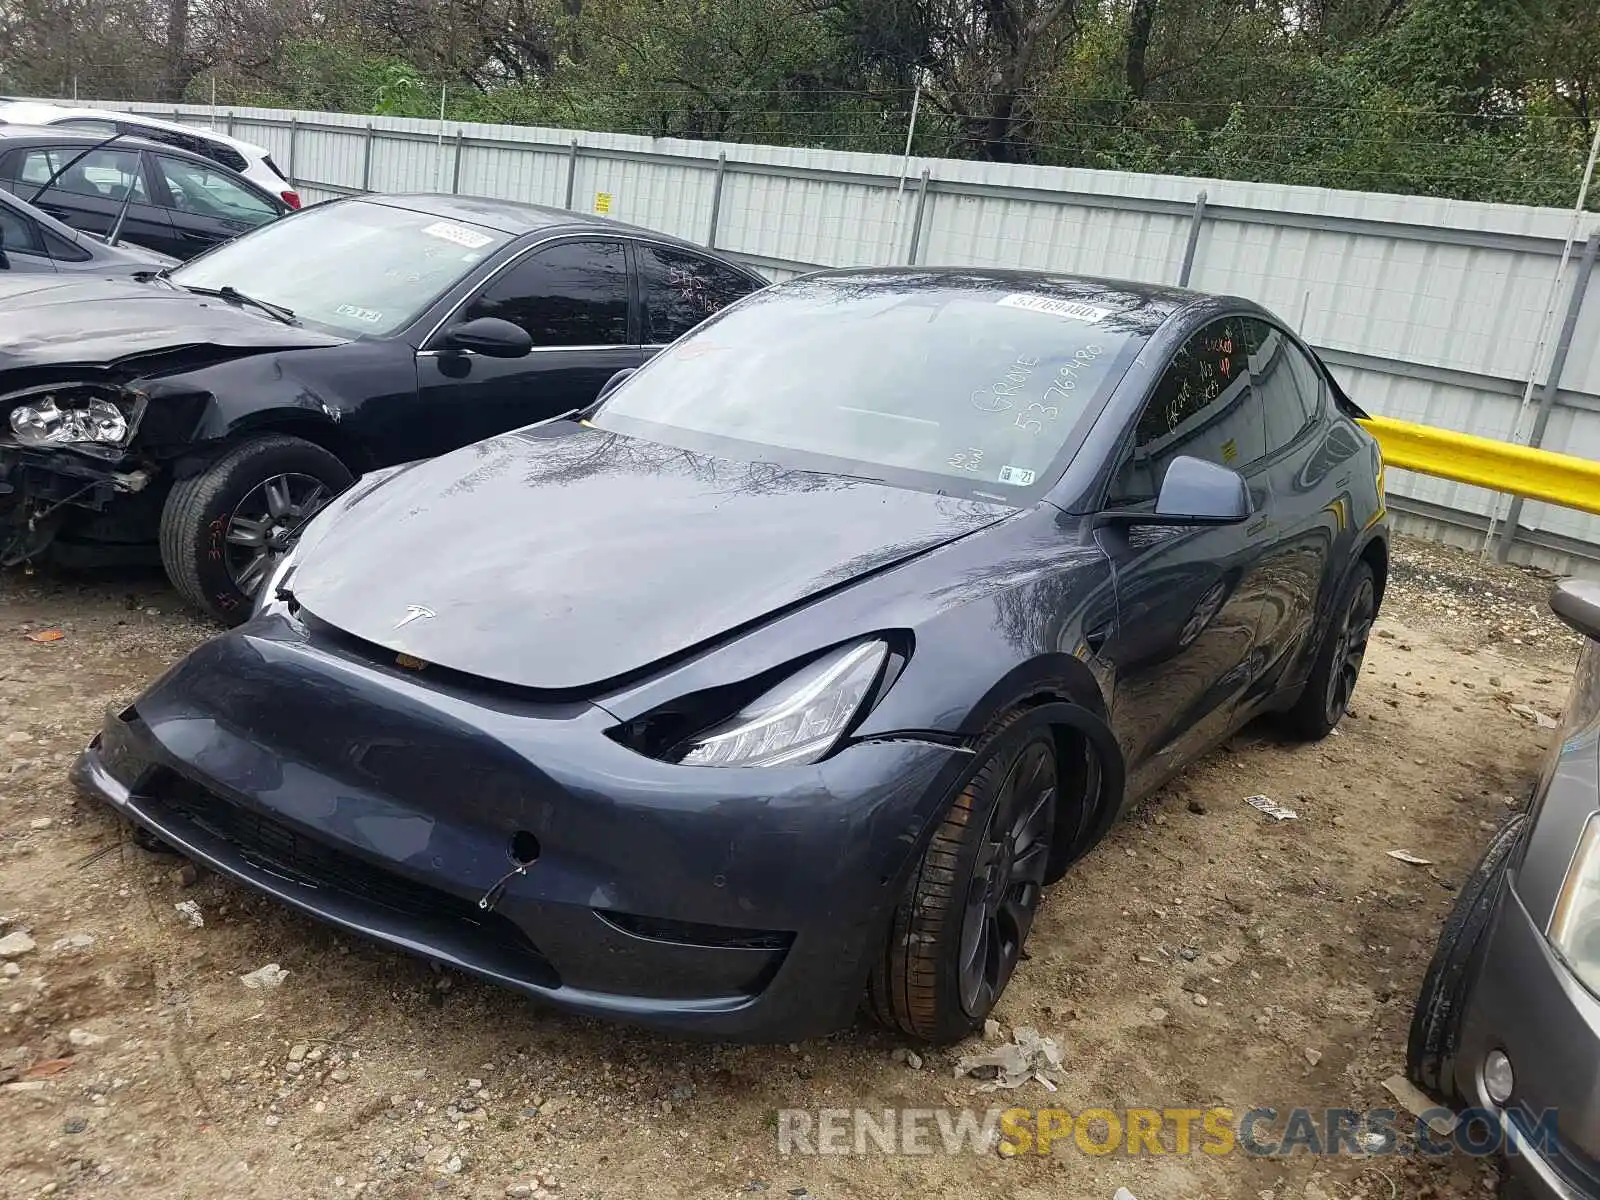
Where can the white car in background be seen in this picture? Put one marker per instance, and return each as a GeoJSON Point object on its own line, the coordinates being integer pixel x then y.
{"type": "Point", "coordinates": [245, 158]}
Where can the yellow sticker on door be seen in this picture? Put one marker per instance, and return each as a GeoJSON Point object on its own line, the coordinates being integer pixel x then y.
{"type": "Point", "coordinates": [602, 202]}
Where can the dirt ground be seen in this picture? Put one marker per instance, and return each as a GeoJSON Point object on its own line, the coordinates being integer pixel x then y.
{"type": "Point", "coordinates": [1204, 954]}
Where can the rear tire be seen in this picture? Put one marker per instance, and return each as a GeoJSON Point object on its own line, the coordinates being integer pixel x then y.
{"type": "Point", "coordinates": [210, 519]}
{"type": "Point", "coordinates": [1436, 1021]}
{"type": "Point", "coordinates": [959, 931]}
{"type": "Point", "coordinates": [1337, 671]}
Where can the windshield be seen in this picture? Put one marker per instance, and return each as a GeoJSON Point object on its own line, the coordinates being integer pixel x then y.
{"type": "Point", "coordinates": [947, 381]}
{"type": "Point", "coordinates": [352, 268]}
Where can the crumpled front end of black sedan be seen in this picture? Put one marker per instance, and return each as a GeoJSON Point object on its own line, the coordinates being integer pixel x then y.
{"type": "Point", "coordinates": [521, 842]}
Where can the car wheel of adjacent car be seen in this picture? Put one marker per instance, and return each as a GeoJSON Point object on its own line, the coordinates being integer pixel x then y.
{"type": "Point", "coordinates": [958, 933]}
{"type": "Point", "coordinates": [224, 527]}
{"type": "Point", "coordinates": [1337, 670]}
{"type": "Point", "coordinates": [1435, 1024]}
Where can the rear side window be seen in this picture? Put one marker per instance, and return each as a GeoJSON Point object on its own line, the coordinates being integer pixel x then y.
{"type": "Point", "coordinates": [571, 294]}
{"type": "Point", "coordinates": [681, 289]}
{"type": "Point", "coordinates": [1286, 383]}
{"type": "Point", "coordinates": [227, 156]}
{"type": "Point", "coordinates": [1204, 406]}
{"type": "Point", "coordinates": [100, 174]}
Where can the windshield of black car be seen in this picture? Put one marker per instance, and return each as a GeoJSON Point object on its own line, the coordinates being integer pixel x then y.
{"type": "Point", "coordinates": [947, 382]}
{"type": "Point", "coordinates": [352, 268]}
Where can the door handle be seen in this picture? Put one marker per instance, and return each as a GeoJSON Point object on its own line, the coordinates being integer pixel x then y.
{"type": "Point", "coordinates": [1259, 525]}
{"type": "Point", "coordinates": [1342, 481]}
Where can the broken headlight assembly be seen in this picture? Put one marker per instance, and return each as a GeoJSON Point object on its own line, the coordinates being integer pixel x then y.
{"type": "Point", "coordinates": [92, 420]}
{"type": "Point", "coordinates": [1575, 927]}
{"type": "Point", "coordinates": [796, 720]}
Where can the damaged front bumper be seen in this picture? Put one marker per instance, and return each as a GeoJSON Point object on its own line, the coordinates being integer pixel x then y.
{"type": "Point", "coordinates": [519, 842]}
{"type": "Point", "coordinates": [42, 485]}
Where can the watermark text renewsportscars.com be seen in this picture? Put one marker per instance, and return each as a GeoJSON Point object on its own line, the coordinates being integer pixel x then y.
{"type": "Point", "coordinates": [1258, 1132]}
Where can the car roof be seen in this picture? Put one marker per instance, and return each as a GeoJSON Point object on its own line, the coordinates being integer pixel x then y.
{"type": "Point", "coordinates": [1145, 307]}
{"type": "Point", "coordinates": [516, 218]}
{"type": "Point", "coordinates": [39, 113]}
{"type": "Point", "coordinates": [56, 136]}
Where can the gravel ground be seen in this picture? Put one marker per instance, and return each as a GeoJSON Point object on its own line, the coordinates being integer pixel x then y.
{"type": "Point", "coordinates": [1204, 954]}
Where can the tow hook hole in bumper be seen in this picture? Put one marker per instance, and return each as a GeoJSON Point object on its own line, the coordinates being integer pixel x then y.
{"type": "Point", "coordinates": [524, 848]}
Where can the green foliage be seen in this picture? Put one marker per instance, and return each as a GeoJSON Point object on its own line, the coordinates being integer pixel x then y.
{"type": "Point", "coordinates": [1479, 99]}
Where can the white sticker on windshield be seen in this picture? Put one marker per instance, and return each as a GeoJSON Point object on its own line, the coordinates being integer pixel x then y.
{"type": "Point", "coordinates": [459, 234]}
{"type": "Point", "coordinates": [1016, 476]}
{"type": "Point", "coordinates": [1056, 308]}
{"type": "Point", "coordinates": [370, 315]}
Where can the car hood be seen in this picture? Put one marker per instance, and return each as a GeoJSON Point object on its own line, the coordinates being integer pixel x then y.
{"type": "Point", "coordinates": [564, 557]}
{"type": "Point", "coordinates": [52, 320]}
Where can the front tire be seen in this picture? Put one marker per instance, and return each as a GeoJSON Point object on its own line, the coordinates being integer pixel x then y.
{"type": "Point", "coordinates": [223, 529]}
{"type": "Point", "coordinates": [1436, 1021]}
{"type": "Point", "coordinates": [958, 933]}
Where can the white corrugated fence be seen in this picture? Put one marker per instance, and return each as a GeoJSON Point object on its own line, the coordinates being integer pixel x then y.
{"type": "Point", "coordinates": [1428, 310]}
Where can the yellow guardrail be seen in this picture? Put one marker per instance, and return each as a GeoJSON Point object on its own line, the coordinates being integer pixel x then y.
{"type": "Point", "coordinates": [1503, 466]}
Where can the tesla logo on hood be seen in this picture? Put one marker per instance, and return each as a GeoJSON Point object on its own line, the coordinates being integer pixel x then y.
{"type": "Point", "coordinates": [414, 612]}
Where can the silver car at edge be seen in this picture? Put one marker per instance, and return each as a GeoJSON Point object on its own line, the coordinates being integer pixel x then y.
{"type": "Point", "coordinates": [1507, 1027]}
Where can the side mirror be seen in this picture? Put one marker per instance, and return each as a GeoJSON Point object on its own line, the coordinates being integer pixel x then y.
{"type": "Point", "coordinates": [1577, 602]}
{"type": "Point", "coordinates": [614, 383]}
{"type": "Point", "coordinates": [1194, 492]}
{"type": "Point", "coordinates": [491, 337]}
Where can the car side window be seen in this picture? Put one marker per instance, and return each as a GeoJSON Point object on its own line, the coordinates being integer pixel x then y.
{"type": "Point", "coordinates": [21, 235]}
{"type": "Point", "coordinates": [100, 174]}
{"type": "Point", "coordinates": [569, 294]}
{"type": "Point", "coordinates": [1203, 405]}
{"type": "Point", "coordinates": [207, 191]}
{"type": "Point", "coordinates": [58, 248]}
{"type": "Point", "coordinates": [1286, 383]}
{"type": "Point", "coordinates": [681, 289]}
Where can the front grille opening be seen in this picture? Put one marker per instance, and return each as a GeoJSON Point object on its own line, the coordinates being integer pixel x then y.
{"type": "Point", "coordinates": [689, 933]}
{"type": "Point", "coordinates": [276, 848]}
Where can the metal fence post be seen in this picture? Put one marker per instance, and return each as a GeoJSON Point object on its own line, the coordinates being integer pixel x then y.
{"type": "Point", "coordinates": [230, 122]}
{"type": "Point", "coordinates": [455, 171]}
{"type": "Point", "coordinates": [716, 201]}
{"type": "Point", "coordinates": [1194, 239]}
{"type": "Point", "coordinates": [366, 159]}
{"type": "Point", "coordinates": [572, 171]}
{"type": "Point", "coordinates": [1552, 382]}
{"type": "Point", "coordinates": [916, 221]}
{"type": "Point", "coordinates": [294, 139]}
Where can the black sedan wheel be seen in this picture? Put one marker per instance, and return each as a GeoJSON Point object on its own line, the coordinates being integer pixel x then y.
{"type": "Point", "coordinates": [959, 932]}
{"type": "Point", "coordinates": [224, 529]}
{"type": "Point", "coordinates": [1337, 670]}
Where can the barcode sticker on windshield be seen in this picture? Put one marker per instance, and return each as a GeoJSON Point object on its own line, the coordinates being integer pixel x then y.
{"type": "Point", "coordinates": [1016, 476]}
{"type": "Point", "coordinates": [459, 234]}
{"type": "Point", "coordinates": [1056, 308]}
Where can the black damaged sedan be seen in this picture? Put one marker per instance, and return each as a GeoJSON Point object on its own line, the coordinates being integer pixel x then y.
{"type": "Point", "coordinates": [796, 669]}
{"type": "Point", "coordinates": [202, 415]}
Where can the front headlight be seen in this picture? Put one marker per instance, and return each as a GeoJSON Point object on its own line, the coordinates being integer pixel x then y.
{"type": "Point", "coordinates": [797, 721]}
{"type": "Point", "coordinates": [45, 423]}
{"type": "Point", "coordinates": [1575, 927]}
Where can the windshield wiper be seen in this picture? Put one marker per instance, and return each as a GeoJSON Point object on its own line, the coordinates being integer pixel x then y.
{"type": "Point", "coordinates": [228, 292]}
{"type": "Point", "coordinates": [164, 275]}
